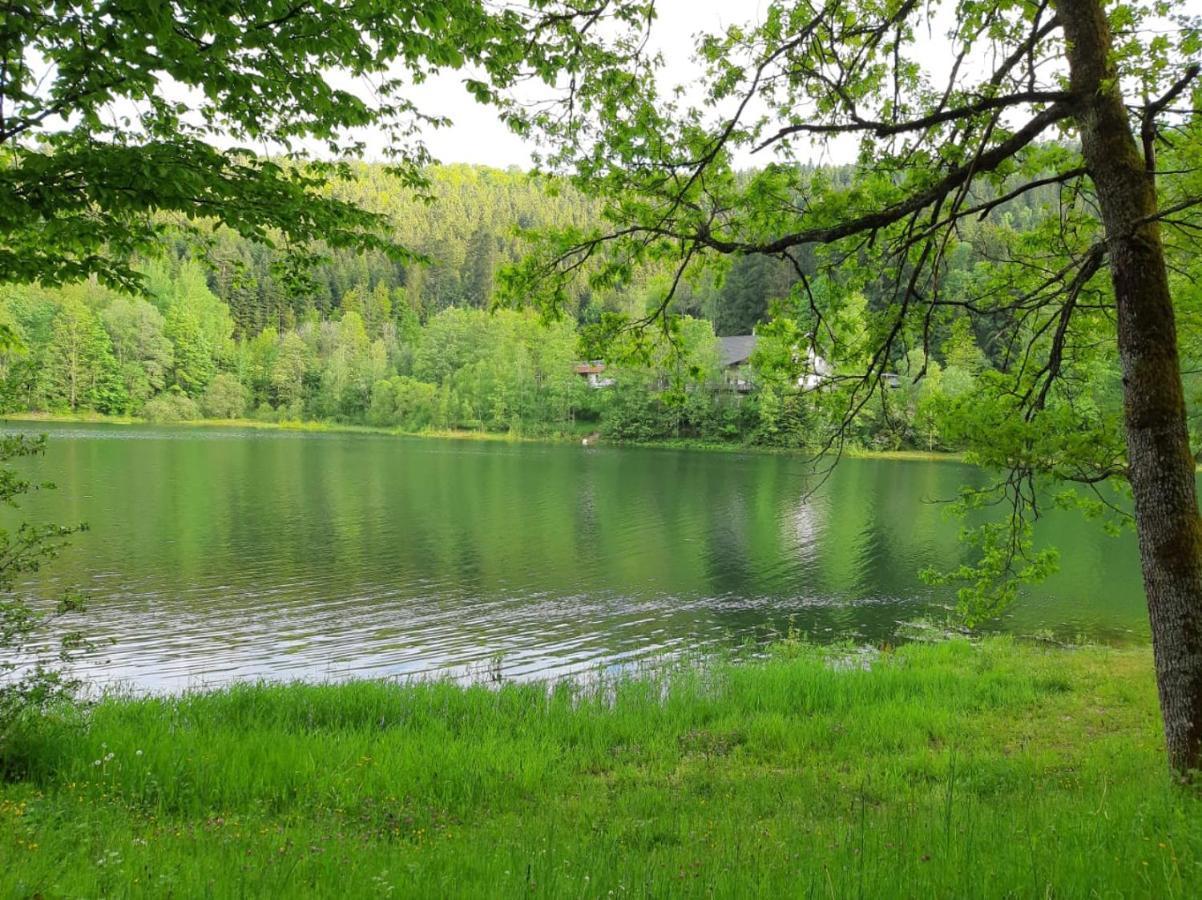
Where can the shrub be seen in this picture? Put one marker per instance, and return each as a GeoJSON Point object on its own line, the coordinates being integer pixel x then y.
{"type": "Point", "coordinates": [29, 682]}
{"type": "Point", "coordinates": [171, 407]}
{"type": "Point", "coordinates": [224, 398]}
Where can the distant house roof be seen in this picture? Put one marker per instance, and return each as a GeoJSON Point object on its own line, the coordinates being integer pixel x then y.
{"type": "Point", "coordinates": [590, 368]}
{"type": "Point", "coordinates": [736, 349]}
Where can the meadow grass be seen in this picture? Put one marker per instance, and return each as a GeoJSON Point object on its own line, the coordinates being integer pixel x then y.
{"type": "Point", "coordinates": [956, 769]}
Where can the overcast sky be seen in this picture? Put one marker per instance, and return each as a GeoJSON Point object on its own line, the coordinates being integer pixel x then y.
{"type": "Point", "coordinates": [478, 135]}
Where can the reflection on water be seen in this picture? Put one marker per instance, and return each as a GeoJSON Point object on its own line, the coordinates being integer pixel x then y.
{"type": "Point", "coordinates": [232, 554]}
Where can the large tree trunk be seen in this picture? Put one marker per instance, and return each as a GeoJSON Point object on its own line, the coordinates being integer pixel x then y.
{"type": "Point", "coordinates": [1161, 466]}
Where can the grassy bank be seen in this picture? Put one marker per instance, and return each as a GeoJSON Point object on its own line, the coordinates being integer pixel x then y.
{"type": "Point", "coordinates": [574, 437]}
{"type": "Point", "coordinates": [945, 770]}
{"type": "Point", "coordinates": [287, 425]}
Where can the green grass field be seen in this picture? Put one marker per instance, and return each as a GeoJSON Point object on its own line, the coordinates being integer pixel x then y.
{"type": "Point", "coordinates": [947, 770]}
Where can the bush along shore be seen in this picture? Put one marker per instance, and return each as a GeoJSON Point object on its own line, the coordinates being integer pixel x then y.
{"type": "Point", "coordinates": [583, 433]}
{"type": "Point", "coordinates": [946, 770]}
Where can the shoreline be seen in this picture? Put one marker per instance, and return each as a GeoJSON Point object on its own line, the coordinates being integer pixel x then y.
{"type": "Point", "coordinates": [317, 426]}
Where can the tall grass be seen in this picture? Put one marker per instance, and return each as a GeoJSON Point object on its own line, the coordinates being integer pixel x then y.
{"type": "Point", "coordinates": [948, 770]}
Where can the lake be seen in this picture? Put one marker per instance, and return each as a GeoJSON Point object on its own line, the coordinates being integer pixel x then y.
{"type": "Point", "coordinates": [222, 554]}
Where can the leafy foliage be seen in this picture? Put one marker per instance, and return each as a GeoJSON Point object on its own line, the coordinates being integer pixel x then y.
{"type": "Point", "coordinates": [29, 681]}
{"type": "Point", "coordinates": [112, 111]}
{"type": "Point", "coordinates": [925, 227]}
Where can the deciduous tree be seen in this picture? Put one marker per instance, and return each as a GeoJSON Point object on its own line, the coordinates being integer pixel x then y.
{"type": "Point", "coordinates": [1084, 96]}
{"type": "Point", "coordinates": [112, 109]}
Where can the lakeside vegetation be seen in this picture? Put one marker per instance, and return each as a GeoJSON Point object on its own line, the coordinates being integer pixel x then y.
{"type": "Point", "coordinates": [306, 425]}
{"type": "Point", "coordinates": [584, 430]}
{"type": "Point", "coordinates": [1009, 269]}
{"type": "Point", "coordinates": [366, 341]}
{"type": "Point", "coordinates": [949, 769]}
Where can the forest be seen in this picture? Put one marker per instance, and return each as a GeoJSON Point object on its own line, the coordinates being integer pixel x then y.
{"type": "Point", "coordinates": [943, 256]}
{"type": "Point", "coordinates": [222, 331]}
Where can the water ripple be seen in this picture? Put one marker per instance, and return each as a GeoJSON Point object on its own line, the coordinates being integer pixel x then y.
{"type": "Point", "coordinates": [232, 554]}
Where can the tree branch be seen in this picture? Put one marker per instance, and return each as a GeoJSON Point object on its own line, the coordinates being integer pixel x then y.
{"type": "Point", "coordinates": [889, 129]}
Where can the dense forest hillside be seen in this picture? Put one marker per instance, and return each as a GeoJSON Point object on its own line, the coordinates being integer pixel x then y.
{"type": "Point", "coordinates": [221, 333]}
{"type": "Point", "coordinates": [466, 227]}
{"type": "Point", "coordinates": [469, 225]}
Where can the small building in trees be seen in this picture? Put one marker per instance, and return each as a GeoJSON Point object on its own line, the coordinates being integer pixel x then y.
{"type": "Point", "coordinates": [735, 354]}
{"type": "Point", "coordinates": [593, 372]}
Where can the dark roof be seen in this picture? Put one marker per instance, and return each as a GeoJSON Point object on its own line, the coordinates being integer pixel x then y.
{"type": "Point", "coordinates": [736, 349]}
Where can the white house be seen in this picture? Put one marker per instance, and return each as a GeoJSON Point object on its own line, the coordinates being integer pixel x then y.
{"type": "Point", "coordinates": [817, 370]}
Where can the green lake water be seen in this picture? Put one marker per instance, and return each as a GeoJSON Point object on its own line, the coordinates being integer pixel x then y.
{"type": "Point", "coordinates": [222, 554]}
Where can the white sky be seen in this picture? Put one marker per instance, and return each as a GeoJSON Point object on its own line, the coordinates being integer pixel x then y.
{"type": "Point", "coordinates": [478, 136]}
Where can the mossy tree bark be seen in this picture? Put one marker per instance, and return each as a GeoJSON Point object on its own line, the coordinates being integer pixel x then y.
{"type": "Point", "coordinates": [1161, 465]}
